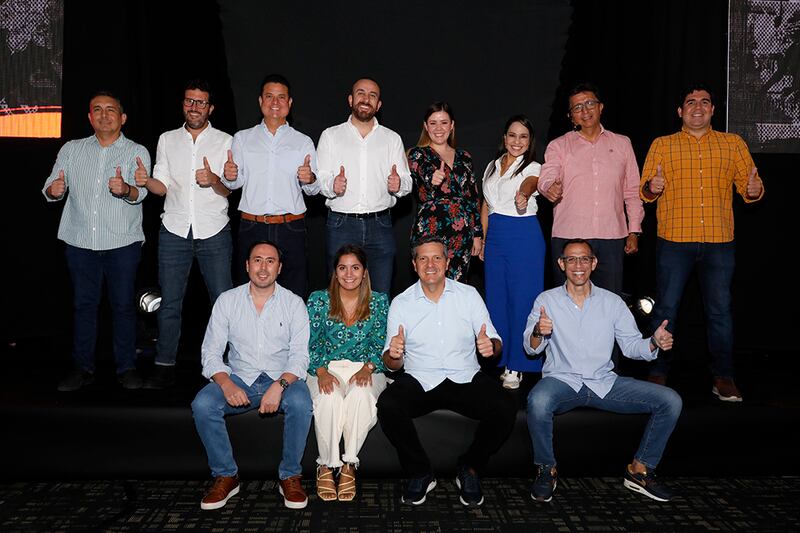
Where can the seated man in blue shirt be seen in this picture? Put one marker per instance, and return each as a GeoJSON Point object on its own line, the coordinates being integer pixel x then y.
{"type": "Point", "coordinates": [266, 328]}
{"type": "Point", "coordinates": [578, 323]}
{"type": "Point", "coordinates": [440, 324]}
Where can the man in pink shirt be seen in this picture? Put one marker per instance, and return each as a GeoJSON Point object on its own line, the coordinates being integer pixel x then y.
{"type": "Point", "coordinates": [591, 176]}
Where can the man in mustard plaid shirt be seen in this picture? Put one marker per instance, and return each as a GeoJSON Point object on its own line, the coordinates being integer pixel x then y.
{"type": "Point", "coordinates": [691, 174]}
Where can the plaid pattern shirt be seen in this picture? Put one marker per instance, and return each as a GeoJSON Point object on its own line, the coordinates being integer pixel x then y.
{"type": "Point", "coordinates": [697, 203]}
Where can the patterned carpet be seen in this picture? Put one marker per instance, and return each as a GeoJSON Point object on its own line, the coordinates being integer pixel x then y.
{"type": "Point", "coordinates": [579, 505]}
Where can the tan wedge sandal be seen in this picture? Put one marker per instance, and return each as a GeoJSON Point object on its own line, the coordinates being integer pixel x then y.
{"type": "Point", "coordinates": [347, 483]}
{"type": "Point", "coordinates": [326, 486]}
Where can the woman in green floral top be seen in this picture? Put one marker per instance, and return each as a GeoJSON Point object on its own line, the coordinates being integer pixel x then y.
{"type": "Point", "coordinates": [348, 331]}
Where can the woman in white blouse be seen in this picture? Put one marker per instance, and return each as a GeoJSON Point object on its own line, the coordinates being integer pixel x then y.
{"type": "Point", "coordinates": [514, 247]}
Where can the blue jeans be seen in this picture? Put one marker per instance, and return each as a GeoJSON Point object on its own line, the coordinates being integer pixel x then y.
{"type": "Point", "coordinates": [290, 238]}
{"type": "Point", "coordinates": [209, 409]}
{"type": "Point", "coordinates": [374, 235]}
{"type": "Point", "coordinates": [628, 396]}
{"type": "Point", "coordinates": [88, 268]}
{"type": "Point", "coordinates": [715, 264]}
{"type": "Point", "coordinates": [175, 257]}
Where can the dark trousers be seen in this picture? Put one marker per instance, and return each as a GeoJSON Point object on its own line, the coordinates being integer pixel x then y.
{"type": "Point", "coordinates": [290, 238]}
{"type": "Point", "coordinates": [482, 399]}
{"type": "Point", "coordinates": [610, 255]}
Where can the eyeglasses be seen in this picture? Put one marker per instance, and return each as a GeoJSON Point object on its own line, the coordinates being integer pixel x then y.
{"type": "Point", "coordinates": [574, 259]}
{"type": "Point", "coordinates": [201, 104]}
{"type": "Point", "coordinates": [588, 104]}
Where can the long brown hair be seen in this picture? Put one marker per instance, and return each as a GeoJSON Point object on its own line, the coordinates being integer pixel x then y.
{"type": "Point", "coordinates": [336, 311]}
{"type": "Point", "coordinates": [424, 138]}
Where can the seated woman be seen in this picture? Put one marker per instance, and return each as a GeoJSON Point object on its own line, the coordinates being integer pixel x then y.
{"type": "Point", "coordinates": [348, 331]}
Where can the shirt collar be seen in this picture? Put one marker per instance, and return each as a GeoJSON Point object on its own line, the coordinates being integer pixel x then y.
{"type": "Point", "coordinates": [278, 132]}
{"type": "Point", "coordinates": [419, 293]}
{"type": "Point", "coordinates": [686, 132]}
{"type": "Point", "coordinates": [353, 126]}
{"type": "Point", "coordinates": [118, 139]}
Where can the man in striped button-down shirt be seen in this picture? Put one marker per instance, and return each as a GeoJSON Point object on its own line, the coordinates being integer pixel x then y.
{"type": "Point", "coordinates": [102, 228]}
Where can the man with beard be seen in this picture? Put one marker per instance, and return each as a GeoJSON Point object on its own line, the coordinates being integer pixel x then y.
{"type": "Point", "coordinates": [195, 219]}
{"type": "Point", "coordinates": [274, 164]}
{"type": "Point", "coordinates": [363, 170]}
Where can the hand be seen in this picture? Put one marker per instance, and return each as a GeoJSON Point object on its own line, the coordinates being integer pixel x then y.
{"type": "Point", "coordinates": [340, 183]}
{"type": "Point", "coordinates": [140, 175]}
{"type": "Point", "coordinates": [231, 170]}
{"type": "Point", "coordinates": [394, 181]}
{"type": "Point", "coordinates": [397, 346]}
{"type": "Point", "coordinates": [117, 184]}
{"type": "Point", "coordinates": [438, 175]}
{"type": "Point", "coordinates": [204, 176]}
{"type": "Point", "coordinates": [477, 246]}
{"type": "Point", "coordinates": [662, 338]}
{"type": "Point", "coordinates": [271, 399]}
{"type": "Point", "coordinates": [58, 186]}
{"type": "Point", "coordinates": [235, 396]}
{"type": "Point", "coordinates": [555, 191]}
{"type": "Point", "coordinates": [326, 381]}
{"type": "Point", "coordinates": [632, 244]}
{"type": "Point", "coordinates": [363, 377]}
{"type": "Point", "coordinates": [657, 182]}
{"type": "Point", "coordinates": [520, 202]}
{"type": "Point", "coordinates": [754, 185]}
{"type": "Point", "coordinates": [545, 325]}
{"type": "Point", "coordinates": [484, 343]}
{"type": "Point", "coordinates": [304, 173]}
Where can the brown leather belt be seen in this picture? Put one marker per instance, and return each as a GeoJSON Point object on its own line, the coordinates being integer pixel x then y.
{"type": "Point", "coordinates": [272, 219]}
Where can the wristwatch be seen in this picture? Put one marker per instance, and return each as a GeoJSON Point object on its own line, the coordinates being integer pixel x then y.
{"type": "Point", "coordinates": [536, 332]}
{"type": "Point", "coordinates": [283, 383]}
{"type": "Point", "coordinates": [371, 366]}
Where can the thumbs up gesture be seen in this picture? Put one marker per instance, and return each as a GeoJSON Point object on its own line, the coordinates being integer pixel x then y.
{"type": "Point", "coordinates": [117, 184]}
{"type": "Point", "coordinates": [754, 185]}
{"type": "Point", "coordinates": [545, 324]}
{"type": "Point", "coordinates": [394, 181]}
{"type": "Point", "coordinates": [397, 346]}
{"type": "Point", "coordinates": [340, 182]}
{"type": "Point", "coordinates": [231, 170]}
{"type": "Point", "coordinates": [304, 173]}
{"type": "Point", "coordinates": [205, 177]}
{"type": "Point", "coordinates": [520, 202]}
{"type": "Point", "coordinates": [662, 338]}
{"type": "Point", "coordinates": [438, 175]}
{"type": "Point", "coordinates": [140, 175]}
{"type": "Point", "coordinates": [59, 186]}
{"type": "Point", "coordinates": [484, 343]}
{"type": "Point", "coordinates": [555, 191]}
{"type": "Point", "coordinates": [657, 182]}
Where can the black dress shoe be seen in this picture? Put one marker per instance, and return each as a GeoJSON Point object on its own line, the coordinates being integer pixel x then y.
{"type": "Point", "coordinates": [75, 380]}
{"type": "Point", "coordinates": [130, 379]}
{"type": "Point", "coordinates": [163, 378]}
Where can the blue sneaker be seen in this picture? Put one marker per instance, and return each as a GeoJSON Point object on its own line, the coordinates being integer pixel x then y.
{"type": "Point", "coordinates": [469, 484]}
{"type": "Point", "coordinates": [545, 483]}
{"type": "Point", "coordinates": [647, 484]}
{"type": "Point", "coordinates": [416, 489]}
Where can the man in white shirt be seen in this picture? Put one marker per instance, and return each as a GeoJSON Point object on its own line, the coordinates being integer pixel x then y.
{"type": "Point", "coordinates": [274, 164]}
{"type": "Point", "coordinates": [363, 170]}
{"type": "Point", "coordinates": [439, 327]}
{"type": "Point", "coordinates": [194, 224]}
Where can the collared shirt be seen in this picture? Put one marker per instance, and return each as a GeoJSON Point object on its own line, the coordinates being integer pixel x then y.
{"type": "Point", "coordinates": [367, 163]}
{"type": "Point", "coordinates": [579, 349]}
{"type": "Point", "coordinates": [601, 184]}
{"type": "Point", "coordinates": [271, 342]}
{"type": "Point", "coordinates": [268, 170]}
{"type": "Point", "coordinates": [187, 205]}
{"type": "Point", "coordinates": [440, 336]}
{"type": "Point", "coordinates": [93, 218]}
{"type": "Point", "coordinates": [500, 190]}
{"type": "Point", "coordinates": [696, 204]}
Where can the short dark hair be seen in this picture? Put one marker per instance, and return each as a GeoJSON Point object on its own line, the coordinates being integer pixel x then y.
{"type": "Point", "coordinates": [267, 242]}
{"type": "Point", "coordinates": [585, 87]}
{"type": "Point", "coordinates": [108, 94]}
{"type": "Point", "coordinates": [199, 84]}
{"type": "Point", "coordinates": [689, 88]}
{"type": "Point", "coordinates": [275, 78]}
{"type": "Point", "coordinates": [576, 241]}
{"type": "Point", "coordinates": [427, 239]}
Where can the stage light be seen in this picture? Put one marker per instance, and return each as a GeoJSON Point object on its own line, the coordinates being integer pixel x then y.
{"type": "Point", "coordinates": [149, 301]}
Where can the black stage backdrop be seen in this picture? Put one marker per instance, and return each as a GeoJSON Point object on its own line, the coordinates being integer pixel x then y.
{"type": "Point", "coordinates": [489, 61]}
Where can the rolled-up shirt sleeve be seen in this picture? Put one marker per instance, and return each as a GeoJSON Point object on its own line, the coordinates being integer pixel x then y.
{"type": "Point", "coordinates": [533, 319]}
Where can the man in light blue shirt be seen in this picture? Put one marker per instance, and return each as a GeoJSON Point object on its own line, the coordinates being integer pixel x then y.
{"type": "Point", "coordinates": [439, 328]}
{"type": "Point", "coordinates": [577, 324]}
{"type": "Point", "coordinates": [274, 164]}
{"type": "Point", "coordinates": [266, 329]}
{"type": "Point", "coordinates": [102, 228]}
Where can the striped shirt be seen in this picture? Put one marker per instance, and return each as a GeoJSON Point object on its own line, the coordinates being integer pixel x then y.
{"type": "Point", "coordinates": [696, 204]}
{"type": "Point", "coordinates": [93, 218]}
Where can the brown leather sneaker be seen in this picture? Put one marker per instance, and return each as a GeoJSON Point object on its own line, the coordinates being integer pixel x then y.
{"type": "Point", "coordinates": [725, 389]}
{"type": "Point", "coordinates": [220, 492]}
{"type": "Point", "coordinates": [294, 497]}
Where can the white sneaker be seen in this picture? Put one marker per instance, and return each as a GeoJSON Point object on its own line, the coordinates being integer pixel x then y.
{"type": "Point", "coordinates": [511, 379]}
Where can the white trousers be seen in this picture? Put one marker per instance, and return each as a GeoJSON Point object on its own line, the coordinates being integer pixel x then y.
{"type": "Point", "coordinates": [349, 411]}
